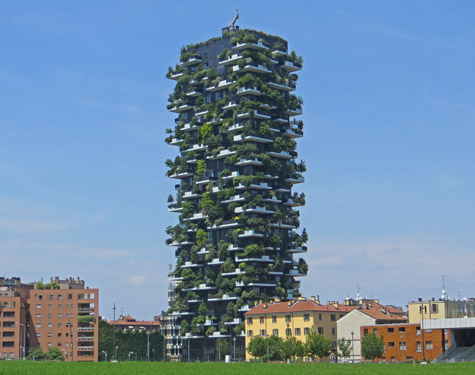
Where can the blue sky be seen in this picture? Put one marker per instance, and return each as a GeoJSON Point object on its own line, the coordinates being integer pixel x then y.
{"type": "Point", "coordinates": [389, 91]}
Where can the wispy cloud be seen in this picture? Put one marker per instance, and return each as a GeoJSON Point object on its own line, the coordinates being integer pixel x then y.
{"type": "Point", "coordinates": [31, 226]}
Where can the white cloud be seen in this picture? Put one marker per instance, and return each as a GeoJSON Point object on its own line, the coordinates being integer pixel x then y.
{"type": "Point", "coordinates": [137, 280]}
{"type": "Point", "coordinates": [31, 226]}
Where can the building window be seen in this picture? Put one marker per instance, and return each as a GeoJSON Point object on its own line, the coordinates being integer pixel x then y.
{"type": "Point", "coordinates": [402, 345]}
{"type": "Point", "coordinates": [365, 332]}
{"type": "Point", "coordinates": [409, 358]}
{"type": "Point", "coordinates": [375, 331]}
{"type": "Point", "coordinates": [333, 331]}
{"type": "Point", "coordinates": [274, 319]}
{"type": "Point", "coordinates": [306, 317]}
{"type": "Point", "coordinates": [60, 315]}
{"type": "Point", "coordinates": [435, 308]}
{"type": "Point", "coordinates": [306, 331]}
{"type": "Point", "coordinates": [288, 332]}
{"type": "Point", "coordinates": [38, 316]}
{"type": "Point", "coordinates": [319, 316]}
{"type": "Point", "coordinates": [332, 317]}
{"type": "Point", "coordinates": [50, 325]}
{"type": "Point", "coordinates": [263, 333]}
{"type": "Point", "coordinates": [60, 306]}
{"type": "Point", "coordinates": [393, 359]}
{"type": "Point", "coordinates": [261, 319]}
{"type": "Point", "coordinates": [402, 329]}
{"type": "Point", "coordinates": [418, 331]}
{"type": "Point", "coordinates": [50, 344]}
{"type": "Point", "coordinates": [50, 316]}
{"type": "Point", "coordinates": [60, 325]}
{"type": "Point", "coordinates": [50, 296]}
{"type": "Point", "coordinates": [288, 319]}
{"type": "Point", "coordinates": [50, 306]}
{"type": "Point", "coordinates": [428, 345]}
{"type": "Point", "coordinates": [249, 333]}
{"type": "Point", "coordinates": [249, 321]}
{"type": "Point", "coordinates": [59, 334]}
{"type": "Point", "coordinates": [320, 330]}
{"type": "Point", "coordinates": [60, 296]}
{"type": "Point", "coordinates": [50, 334]}
{"type": "Point", "coordinates": [419, 347]}
{"type": "Point", "coordinates": [38, 335]}
{"type": "Point", "coordinates": [297, 332]}
{"type": "Point", "coordinates": [38, 325]}
{"type": "Point", "coordinates": [38, 306]}
{"type": "Point", "coordinates": [275, 332]}
{"type": "Point", "coordinates": [390, 330]}
{"type": "Point", "coordinates": [390, 344]}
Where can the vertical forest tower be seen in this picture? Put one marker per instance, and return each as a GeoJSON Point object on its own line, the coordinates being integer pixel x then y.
{"type": "Point", "coordinates": [236, 240]}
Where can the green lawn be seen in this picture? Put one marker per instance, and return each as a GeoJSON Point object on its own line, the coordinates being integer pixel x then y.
{"type": "Point", "coordinates": [127, 368]}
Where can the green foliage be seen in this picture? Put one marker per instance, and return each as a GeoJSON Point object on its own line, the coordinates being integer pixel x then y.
{"type": "Point", "coordinates": [128, 341]}
{"type": "Point", "coordinates": [200, 168]}
{"type": "Point", "coordinates": [344, 347]}
{"type": "Point", "coordinates": [317, 345]}
{"type": "Point", "coordinates": [86, 319]}
{"type": "Point", "coordinates": [372, 346]}
{"type": "Point", "coordinates": [53, 354]}
{"type": "Point", "coordinates": [201, 237]}
{"type": "Point", "coordinates": [257, 347]}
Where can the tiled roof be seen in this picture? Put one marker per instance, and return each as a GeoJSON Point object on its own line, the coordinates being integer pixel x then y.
{"type": "Point", "coordinates": [299, 306]}
{"type": "Point", "coordinates": [381, 312]}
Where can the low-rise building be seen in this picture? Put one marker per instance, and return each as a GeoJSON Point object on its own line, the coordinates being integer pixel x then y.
{"type": "Point", "coordinates": [128, 323]}
{"type": "Point", "coordinates": [294, 318]}
{"type": "Point", "coordinates": [442, 308]}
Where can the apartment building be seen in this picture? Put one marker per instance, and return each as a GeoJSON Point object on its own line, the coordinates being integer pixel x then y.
{"type": "Point", "coordinates": [236, 240]}
{"type": "Point", "coordinates": [129, 323]}
{"type": "Point", "coordinates": [295, 318]}
{"type": "Point", "coordinates": [442, 308]}
{"type": "Point", "coordinates": [62, 314]}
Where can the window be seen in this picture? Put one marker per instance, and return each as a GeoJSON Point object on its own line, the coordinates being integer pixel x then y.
{"type": "Point", "coordinates": [50, 344]}
{"type": "Point", "coordinates": [288, 319]}
{"type": "Point", "coordinates": [297, 332]}
{"type": "Point", "coordinates": [38, 335]}
{"type": "Point", "coordinates": [50, 334]}
{"type": "Point", "coordinates": [332, 317]}
{"type": "Point", "coordinates": [8, 344]}
{"type": "Point", "coordinates": [402, 329]}
{"type": "Point", "coordinates": [8, 324]}
{"type": "Point", "coordinates": [390, 330]}
{"type": "Point", "coordinates": [320, 330]}
{"type": "Point", "coordinates": [60, 315]}
{"type": "Point", "coordinates": [306, 317]}
{"type": "Point", "coordinates": [70, 296]}
{"type": "Point", "coordinates": [9, 314]}
{"type": "Point", "coordinates": [275, 332]}
{"type": "Point", "coordinates": [288, 332]}
{"type": "Point", "coordinates": [319, 316]}
{"type": "Point", "coordinates": [60, 296]}
{"type": "Point", "coordinates": [365, 332]}
{"type": "Point", "coordinates": [393, 359]}
{"type": "Point", "coordinates": [409, 358]}
{"type": "Point", "coordinates": [428, 345]}
{"type": "Point", "coordinates": [419, 347]}
{"type": "Point", "coordinates": [333, 331]}
{"type": "Point", "coordinates": [261, 319]}
{"type": "Point", "coordinates": [50, 306]}
{"type": "Point", "coordinates": [38, 305]}
{"type": "Point", "coordinates": [60, 306]}
{"type": "Point", "coordinates": [8, 334]}
{"type": "Point", "coordinates": [249, 320]}
{"type": "Point", "coordinates": [274, 319]}
{"type": "Point", "coordinates": [50, 296]}
{"type": "Point", "coordinates": [402, 345]}
{"type": "Point", "coordinates": [306, 331]}
{"type": "Point", "coordinates": [38, 316]}
{"type": "Point", "coordinates": [59, 334]}
{"type": "Point", "coordinates": [375, 331]}
{"type": "Point", "coordinates": [263, 333]}
{"type": "Point", "coordinates": [390, 344]}
{"type": "Point", "coordinates": [418, 331]}
{"type": "Point", "coordinates": [60, 325]}
{"type": "Point", "coordinates": [50, 325]}
{"type": "Point", "coordinates": [249, 334]}
{"type": "Point", "coordinates": [50, 316]}
{"type": "Point", "coordinates": [59, 344]}
{"type": "Point", "coordinates": [67, 316]}
{"type": "Point", "coordinates": [435, 308]}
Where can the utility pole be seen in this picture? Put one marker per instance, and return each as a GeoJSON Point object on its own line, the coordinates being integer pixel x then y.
{"type": "Point", "coordinates": [148, 346]}
{"type": "Point", "coordinates": [113, 335]}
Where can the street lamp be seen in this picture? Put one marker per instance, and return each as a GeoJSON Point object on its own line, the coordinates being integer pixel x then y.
{"type": "Point", "coordinates": [148, 346]}
{"type": "Point", "coordinates": [352, 348]}
{"type": "Point", "coordinates": [116, 352]}
{"type": "Point", "coordinates": [24, 338]}
{"type": "Point", "coordinates": [105, 354]}
{"type": "Point", "coordinates": [130, 354]}
{"type": "Point", "coordinates": [422, 309]}
{"type": "Point", "coordinates": [403, 347]}
{"type": "Point", "coordinates": [234, 342]}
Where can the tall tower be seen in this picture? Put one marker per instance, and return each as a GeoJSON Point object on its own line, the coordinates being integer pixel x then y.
{"type": "Point", "coordinates": [236, 239]}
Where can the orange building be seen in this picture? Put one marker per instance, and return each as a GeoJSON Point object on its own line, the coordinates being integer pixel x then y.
{"type": "Point", "coordinates": [128, 323]}
{"type": "Point", "coordinates": [407, 342]}
{"type": "Point", "coordinates": [62, 314]}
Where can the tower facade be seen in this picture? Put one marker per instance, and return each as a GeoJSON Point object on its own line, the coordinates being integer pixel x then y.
{"type": "Point", "coordinates": [237, 239]}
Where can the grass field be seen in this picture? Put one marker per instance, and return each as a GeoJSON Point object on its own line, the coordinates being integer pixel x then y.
{"type": "Point", "coordinates": [127, 368]}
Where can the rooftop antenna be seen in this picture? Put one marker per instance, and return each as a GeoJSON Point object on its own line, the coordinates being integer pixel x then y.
{"type": "Point", "coordinates": [443, 296]}
{"type": "Point", "coordinates": [358, 288]}
{"type": "Point", "coordinates": [233, 22]}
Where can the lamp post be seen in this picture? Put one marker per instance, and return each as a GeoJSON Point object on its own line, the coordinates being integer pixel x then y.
{"type": "Point", "coordinates": [148, 346]}
{"type": "Point", "coordinates": [24, 339]}
{"type": "Point", "coordinates": [105, 355]}
{"type": "Point", "coordinates": [116, 352]}
{"type": "Point", "coordinates": [352, 348]}
{"type": "Point", "coordinates": [403, 347]}
{"type": "Point", "coordinates": [130, 354]}
{"type": "Point", "coordinates": [422, 308]}
{"type": "Point", "coordinates": [234, 342]}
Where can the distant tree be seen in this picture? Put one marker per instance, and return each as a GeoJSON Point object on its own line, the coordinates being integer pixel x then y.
{"type": "Point", "coordinates": [317, 345]}
{"type": "Point", "coordinates": [54, 354]}
{"type": "Point", "coordinates": [257, 347]}
{"type": "Point", "coordinates": [35, 354]}
{"type": "Point", "coordinates": [274, 348]}
{"type": "Point", "coordinates": [372, 346]}
{"type": "Point", "coordinates": [290, 347]}
{"type": "Point", "coordinates": [223, 348]}
{"type": "Point", "coordinates": [344, 347]}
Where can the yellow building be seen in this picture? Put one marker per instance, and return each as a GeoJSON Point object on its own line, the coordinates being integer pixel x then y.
{"type": "Point", "coordinates": [440, 309]}
{"type": "Point", "coordinates": [294, 318]}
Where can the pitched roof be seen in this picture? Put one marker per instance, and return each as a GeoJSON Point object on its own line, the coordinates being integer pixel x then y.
{"type": "Point", "coordinates": [383, 313]}
{"type": "Point", "coordinates": [298, 306]}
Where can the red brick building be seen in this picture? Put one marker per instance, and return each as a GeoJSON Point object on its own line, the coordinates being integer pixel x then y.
{"type": "Point", "coordinates": [407, 342]}
{"type": "Point", "coordinates": [128, 323]}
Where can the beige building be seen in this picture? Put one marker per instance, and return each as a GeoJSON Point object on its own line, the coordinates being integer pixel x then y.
{"type": "Point", "coordinates": [440, 309]}
{"type": "Point", "coordinates": [294, 318]}
{"type": "Point", "coordinates": [349, 326]}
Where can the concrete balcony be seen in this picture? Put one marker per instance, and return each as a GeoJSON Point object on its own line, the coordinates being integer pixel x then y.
{"type": "Point", "coordinates": [294, 112]}
{"type": "Point", "coordinates": [245, 162]}
{"type": "Point", "coordinates": [215, 262]}
{"type": "Point", "coordinates": [196, 148]}
{"type": "Point", "coordinates": [86, 329]}
{"type": "Point", "coordinates": [85, 338]}
{"type": "Point", "coordinates": [191, 265]}
{"type": "Point", "coordinates": [235, 322]}
{"type": "Point", "coordinates": [236, 272]}
{"type": "Point", "coordinates": [290, 66]}
{"type": "Point", "coordinates": [263, 259]}
{"type": "Point", "coordinates": [225, 224]}
{"type": "Point", "coordinates": [251, 68]}
{"type": "Point", "coordinates": [254, 210]}
{"type": "Point", "coordinates": [235, 127]}
{"type": "Point", "coordinates": [181, 175]}
{"type": "Point", "coordinates": [260, 186]}
{"type": "Point", "coordinates": [244, 46]}
{"type": "Point", "coordinates": [298, 250]}
{"type": "Point", "coordinates": [295, 180]}
{"type": "Point", "coordinates": [244, 308]}
{"type": "Point", "coordinates": [175, 76]}
{"type": "Point", "coordinates": [234, 198]}
{"type": "Point", "coordinates": [295, 273]}
{"type": "Point", "coordinates": [230, 106]}
{"type": "Point", "coordinates": [279, 86]}
{"type": "Point", "coordinates": [222, 154]}
{"type": "Point", "coordinates": [256, 115]}
{"type": "Point", "coordinates": [249, 91]}
{"type": "Point", "coordinates": [218, 335]}
{"type": "Point", "coordinates": [251, 234]}
{"type": "Point", "coordinates": [268, 107]}
{"type": "Point", "coordinates": [279, 53]}
{"type": "Point", "coordinates": [194, 60]}
{"type": "Point", "coordinates": [272, 200]}
{"type": "Point", "coordinates": [196, 217]}
{"type": "Point", "coordinates": [263, 285]}
{"type": "Point", "coordinates": [292, 134]}
{"type": "Point", "coordinates": [85, 348]}
{"type": "Point", "coordinates": [251, 138]}
{"type": "Point", "coordinates": [193, 93]}
{"type": "Point", "coordinates": [281, 225]}
{"type": "Point", "coordinates": [293, 203]}
{"type": "Point", "coordinates": [221, 86]}
{"type": "Point", "coordinates": [232, 175]}
{"type": "Point", "coordinates": [191, 195]}
{"type": "Point", "coordinates": [230, 60]}
{"type": "Point", "coordinates": [175, 142]}
{"type": "Point", "coordinates": [181, 108]}
{"type": "Point", "coordinates": [183, 243]}
{"type": "Point", "coordinates": [233, 247]}
{"type": "Point", "coordinates": [281, 155]}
